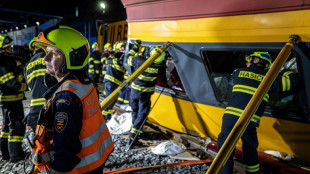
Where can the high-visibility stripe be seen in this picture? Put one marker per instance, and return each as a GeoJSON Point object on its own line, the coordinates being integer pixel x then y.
{"type": "Point", "coordinates": [36, 73]}
{"type": "Point", "coordinates": [12, 97]}
{"type": "Point", "coordinates": [97, 62]}
{"type": "Point", "coordinates": [129, 60]}
{"type": "Point", "coordinates": [37, 102]}
{"type": "Point", "coordinates": [94, 136]}
{"type": "Point", "coordinates": [97, 71]}
{"type": "Point", "coordinates": [238, 112]}
{"type": "Point", "coordinates": [135, 131]}
{"type": "Point", "coordinates": [151, 70]}
{"type": "Point", "coordinates": [132, 52]}
{"type": "Point", "coordinates": [249, 90]}
{"type": "Point", "coordinates": [286, 82]}
{"type": "Point", "coordinates": [91, 59]}
{"type": "Point", "coordinates": [126, 101]}
{"type": "Point", "coordinates": [145, 78]}
{"type": "Point", "coordinates": [6, 77]}
{"type": "Point", "coordinates": [254, 168]}
{"type": "Point", "coordinates": [91, 66]}
{"type": "Point", "coordinates": [120, 99]}
{"type": "Point", "coordinates": [16, 138]}
{"type": "Point", "coordinates": [117, 67]}
{"type": "Point", "coordinates": [4, 135]}
{"type": "Point", "coordinates": [23, 87]}
{"type": "Point", "coordinates": [104, 72]}
{"type": "Point", "coordinates": [104, 113]}
{"type": "Point", "coordinates": [112, 79]}
{"type": "Point", "coordinates": [142, 89]}
{"type": "Point", "coordinates": [86, 160]}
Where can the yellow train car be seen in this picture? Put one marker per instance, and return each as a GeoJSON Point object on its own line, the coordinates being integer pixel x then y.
{"type": "Point", "coordinates": [210, 39]}
{"type": "Point", "coordinates": [112, 32]}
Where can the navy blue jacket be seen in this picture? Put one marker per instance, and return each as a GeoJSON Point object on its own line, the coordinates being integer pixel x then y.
{"type": "Point", "coordinates": [66, 142]}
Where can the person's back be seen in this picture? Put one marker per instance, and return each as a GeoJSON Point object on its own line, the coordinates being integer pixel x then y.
{"type": "Point", "coordinates": [113, 78]}
{"type": "Point", "coordinates": [246, 81]}
{"type": "Point", "coordinates": [34, 73]}
{"type": "Point", "coordinates": [94, 64]}
{"type": "Point", "coordinates": [141, 90]}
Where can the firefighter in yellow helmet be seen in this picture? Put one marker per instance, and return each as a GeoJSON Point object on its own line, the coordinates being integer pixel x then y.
{"type": "Point", "coordinates": [12, 90]}
{"type": "Point", "coordinates": [141, 91]}
{"type": "Point", "coordinates": [107, 51]}
{"type": "Point", "coordinates": [114, 76]}
{"type": "Point", "coordinates": [72, 136]}
{"type": "Point", "coordinates": [246, 81]}
{"type": "Point", "coordinates": [34, 74]}
{"type": "Point", "coordinates": [94, 64]}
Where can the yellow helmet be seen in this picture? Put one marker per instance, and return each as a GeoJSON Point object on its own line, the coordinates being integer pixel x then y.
{"type": "Point", "coordinates": [106, 46]}
{"type": "Point", "coordinates": [119, 45]}
{"type": "Point", "coordinates": [31, 43]}
{"type": "Point", "coordinates": [5, 41]}
{"type": "Point", "coordinates": [71, 42]}
{"type": "Point", "coordinates": [95, 44]}
{"type": "Point", "coordinates": [160, 58]}
{"type": "Point", "coordinates": [265, 56]}
{"type": "Point", "coordinates": [115, 46]}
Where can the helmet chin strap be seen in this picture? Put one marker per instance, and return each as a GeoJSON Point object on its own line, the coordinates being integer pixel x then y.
{"type": "Point", "coordinates": [63, 68]}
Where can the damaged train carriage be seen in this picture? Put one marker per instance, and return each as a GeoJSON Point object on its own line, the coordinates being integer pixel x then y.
{"type": "Point", "coordinates": [211, 39]}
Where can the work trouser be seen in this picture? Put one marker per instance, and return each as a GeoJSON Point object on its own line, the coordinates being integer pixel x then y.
{"type": "Point", "coordinates": [140, 110]}
{"type": "Point", "coordinates": [109, 87]}
{"type": "Point", "coordinates": [13, 130]}
{"type": "Point", "coordinates": [249, 145]}
{"type": "Point", "coordinates": [94, 77]}
{"type": "Point", "coordinates": [124, 97]}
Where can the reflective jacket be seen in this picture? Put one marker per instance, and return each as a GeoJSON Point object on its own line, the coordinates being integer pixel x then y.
{"type": "Point", "coordinates": [115, 71]}
{"type": "Point", "coordinates": [246, 82]}
{"type": "Point", "coordinates": [94, 64]}
{"type": "Point", "coordinates": [11, 80]}
{"type": "Point", "coordinates": [104, 58]}
{"type": "Point", "coordinates": [94, 141]}
{"type": "Point", "coordinates": [34, 73]}
{"type": "Point", "coordinates": [144, 85]}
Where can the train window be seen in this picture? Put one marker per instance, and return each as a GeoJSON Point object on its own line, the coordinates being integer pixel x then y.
{"type": "Point", "coordinates": [221, 64]}
{"type": "Point", "coordinates": [169, 80]}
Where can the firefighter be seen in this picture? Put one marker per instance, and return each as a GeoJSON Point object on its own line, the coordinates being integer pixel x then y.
{"type": "Point", "coordinates": [12, 90]}
{"type": "Point", "coordinates": [246, 81]}
{"type": "Point", "coordinates": [142, 89]}
{"type": "Point", "coordinates": [107, 51]}
{"type": "Point", "coordinates": [94, 64]}
{"type": "Point", "coordinates": [71, 134]}
{"type": "Point", "coordinates": [114, 76]}
{"type": "Point", "coordinates": [34, 73]}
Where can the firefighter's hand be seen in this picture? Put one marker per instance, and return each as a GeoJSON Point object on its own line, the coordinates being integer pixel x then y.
{"type": "Point", "coordinates": [56, 172]}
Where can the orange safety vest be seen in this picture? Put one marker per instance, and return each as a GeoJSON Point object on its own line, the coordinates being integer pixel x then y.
{"type": "Point", "coordinates": [94, 136]}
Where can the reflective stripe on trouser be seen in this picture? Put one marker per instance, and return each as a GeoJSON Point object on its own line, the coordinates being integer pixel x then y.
{"type": "Point", "coordinates": [140, 110]}
{"type": "Point", "coordinates": [109, 87]}
{"type": "Point", "coordinates": [249, 143]}
{"type": "Point", "coordinates": [252, 169]}
{"type": "Point", "coordinates": [37, 102]}
{"type": "Point", "coordinates": [13, 129]}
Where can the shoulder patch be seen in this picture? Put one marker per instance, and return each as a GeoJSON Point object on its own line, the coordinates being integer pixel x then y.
{"type": "Point", "coordinates": [64, 101]}
{"type": "Point", "coordinates": [61, 120]}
